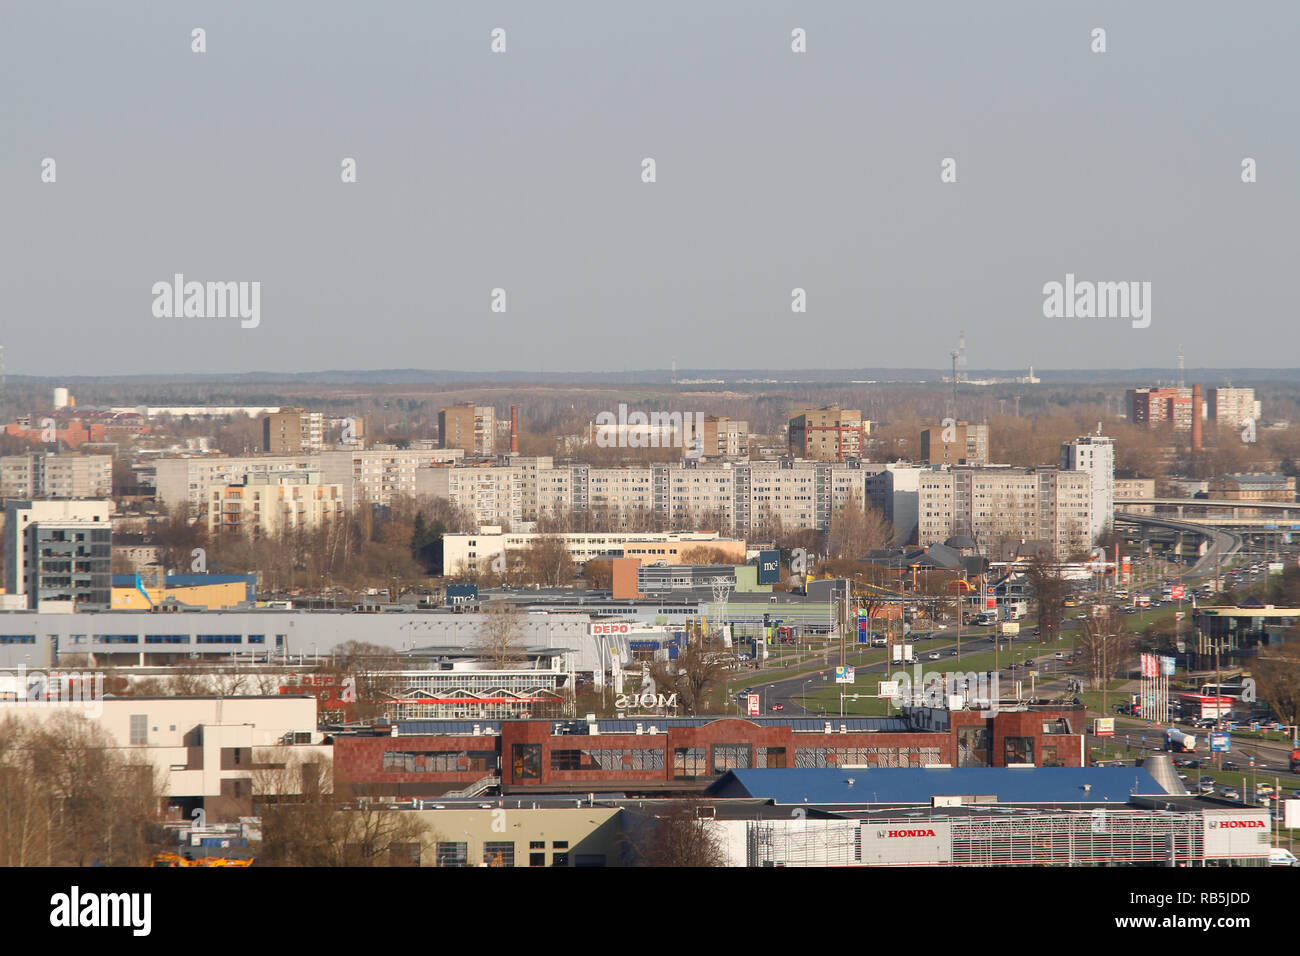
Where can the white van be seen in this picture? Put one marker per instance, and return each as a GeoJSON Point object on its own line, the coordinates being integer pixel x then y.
{"type": "Point", "coordinates": [1281, 857]}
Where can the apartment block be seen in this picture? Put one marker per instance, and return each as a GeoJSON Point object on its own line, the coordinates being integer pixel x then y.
{"type": "Point", "coordinates": [377, 475]}
{"type": "Point", "coordinates": [41, 474]}
{"type": "Point", "coordinates": [270, 505]}
{"type": "Point", "coordinates": [954, 444]}
{"type": "Point", "coordinates": [828, 433]}
{"type": "Point", "coordinates": [59, 553]}
{"type": "Point", "coordinates": [189, 482]}
{"type": "Point", "coordinates": [999, 505]}
{"type": "Point", "coordinates": [1231, 407]}
{"type": "Point", "coordinates": [293, 430]}
{"type": "Point", "coordinates": [1160, 406]}
{"type": "Point", "coordinates": [722, 437]}
{"type": "Point", "coordinates": [469, 427]}
{"type": "Point", "coordinates": [1128, 489]}
{"type": "Point", "coordinates": [1095, 454]}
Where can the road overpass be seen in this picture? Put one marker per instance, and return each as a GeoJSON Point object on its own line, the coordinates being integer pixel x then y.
{"type": "Point", "coordinates": [1220, 544]}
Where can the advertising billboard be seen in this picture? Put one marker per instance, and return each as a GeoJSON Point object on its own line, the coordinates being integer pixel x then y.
{"type": "Point", "coordinates": [1103, 727]}
{"type": "Point", "coordinates": [918, 842]}
{"type": "Point", "coordinates": [753, 705]}
{"type": "Point", "coordinates": [1220, 743]}
{"type": "Point", "coordinates": [769, 567]}
{"type": "Point", "coordinates": [843, 675]}
{"type": "Point", "coordinates": [1237, 833]}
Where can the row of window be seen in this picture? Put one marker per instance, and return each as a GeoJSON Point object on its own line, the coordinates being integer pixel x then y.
{"type": "Point", "coordinates": [399, 761]}
{"type": "Point", "coordinates": [168, 639]}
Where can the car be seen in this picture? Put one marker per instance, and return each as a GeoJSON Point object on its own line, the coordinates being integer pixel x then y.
{"type": "Point", "coordinates": [1182, 762]}
{"type": "Point", "coordinates": [1060, 655]}
{"type": "Point", "coordinates": [1182, 776]}
{"type": "Point", "coordinates": [953, 652]}
{"type": "Point", "coordinates": [1231, 765]}
{"type": "Point", "coordinates": [1264, 788]}
{"type": "Point", "coordinates": [934, 655]}
{"type": "Point", "coordinates": [1029, 662]}
{"type": "Point", "coordinates": [778, 706]}
{"type": "Point", "coordinates": [1231, 794]}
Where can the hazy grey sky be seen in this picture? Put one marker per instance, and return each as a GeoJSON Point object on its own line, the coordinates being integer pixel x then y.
{"type": "Point", "coordinates": [522, 170]}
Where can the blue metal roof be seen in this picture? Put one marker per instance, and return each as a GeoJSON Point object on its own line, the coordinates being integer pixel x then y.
{"type": "Point", "coordinates": [916, 785]}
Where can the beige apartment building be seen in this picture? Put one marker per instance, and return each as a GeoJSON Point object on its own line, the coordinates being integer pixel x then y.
{"type": "Point", "coordinates": [270, 505]}
{"type": "Point", "coordinates": [291, 431]}
{"type": "Point", "coordinates": [829, 433]}
{"type": "Point", "coordinates": [469, 427]}
{"type": "Point", "coordinates": [1003, 505]}
{"type": "Point", "coordinates": [41, 474]}
{"type": "Point", "coordinates": [965, 444]}
{"type": "Point", "coordinates": [377, 475]}
{"type": "Point", "coordinates": [1233, 406]}
{"type": "Point", "coordinates": [722, 437]}
{"type": "Point", "coordinates": [1128, 489]}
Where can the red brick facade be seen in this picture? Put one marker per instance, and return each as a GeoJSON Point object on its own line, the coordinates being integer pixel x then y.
{"type": "Point", "coordinates": [530, 757]}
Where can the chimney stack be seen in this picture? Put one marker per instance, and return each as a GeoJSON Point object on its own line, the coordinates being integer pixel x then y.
{"type": "Point", "coordinates": [514, 429]}
{"type": "Point", "coordinates": [1196, 419]}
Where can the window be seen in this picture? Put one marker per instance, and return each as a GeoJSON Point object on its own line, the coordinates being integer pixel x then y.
{"type": "Point", "coordinates": [436, 761]}
{"type": "Point", "coordinates": [689, 762]}
{"type": "Point", "coordinates": [117, 639]}
{"type": "Point", "coordinates": [537, 845]}
{"type": "Point", "coordinates": [453, 854]}
{"type": "Point", "coordinates": [139, 729]}
{"type": "Point", "coordinates": [771, 757]}
{"type": "Point", "coordinates": [1019, 749]}
{"type": "Point", "coordinates": [536, 859]}
{"type": "Point", "coordinates": [18, 639]}
{"type": "Point", "coordinates": [256, 638]}
{"type": "Point", "coordinates": [498, 854]}
{"type": "Point", "coordinates": [527, 761]}
{"type": "Point", "coordinates": [607, 759]}
{"type": "Point", "coordinates": [166, 638]}
{"type": "Point", "coordinates": [218, 639]}
{"type": "Point", "coordinates": [560, 845]}
{"type": "Point", "coordinates": [731, 757]}
{"type": "Point", "coordinates": [560, 859]}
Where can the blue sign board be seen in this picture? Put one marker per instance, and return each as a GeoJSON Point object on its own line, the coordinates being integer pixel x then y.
{"type": "Point", "coordinates": [769, 567]}
{"type": "Point", "coordinates": [1220, 743]}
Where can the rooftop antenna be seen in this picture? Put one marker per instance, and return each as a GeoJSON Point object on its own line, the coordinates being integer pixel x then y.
{"type": "Point", "coordinates": [1181, 383]}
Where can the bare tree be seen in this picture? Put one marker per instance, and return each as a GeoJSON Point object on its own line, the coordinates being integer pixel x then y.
{"type": "Point", "coordinates": [856, 529]}
{"type": "Point", "coordinates": [701, 666]}
{"type": "Point", "coordinates": [1105, 645]}
{"type": "Point", "coordinates": [678, 834]}
{"type": "Point", "coordinates": [500, 640]}
{"type": "Point", "coordinates": [1050, 591]}
{"type": "Point", "coordinates": [70, 797]}
{"type": "Point", "coordinates": [303, 824]}
{"type": "Point", "coordinates": [1277, 678]}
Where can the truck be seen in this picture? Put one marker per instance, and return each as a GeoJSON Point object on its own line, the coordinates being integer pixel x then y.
{"type": "Point", "coordinates": [1177, 741]}
{"type": "Point", "coordinates": [1295, 760]}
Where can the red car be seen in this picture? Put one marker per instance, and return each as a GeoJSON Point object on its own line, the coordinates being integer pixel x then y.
{"type": "Point", "coordinates": [778, 706]}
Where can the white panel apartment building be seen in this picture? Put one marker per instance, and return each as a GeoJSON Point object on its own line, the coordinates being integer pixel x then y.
{"type": "Point", "coordinates": [191, 481]}
{"type": "Point", "coordinates": [799, 495]}
{"type": "Point", "coordinates": [40, 474]}
{"type": "Point", "coordinates": [1095, 454]}
{"type": "Point", "coordinates": [375, 475]}
{"type": "Point", "coordinates": [1001, 505]}
{"type": "Point", "coordinates": [1232, 406]}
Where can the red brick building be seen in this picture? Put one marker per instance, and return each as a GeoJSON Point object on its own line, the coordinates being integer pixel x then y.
{"type": "Point", "coordinates": [659, 755]}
